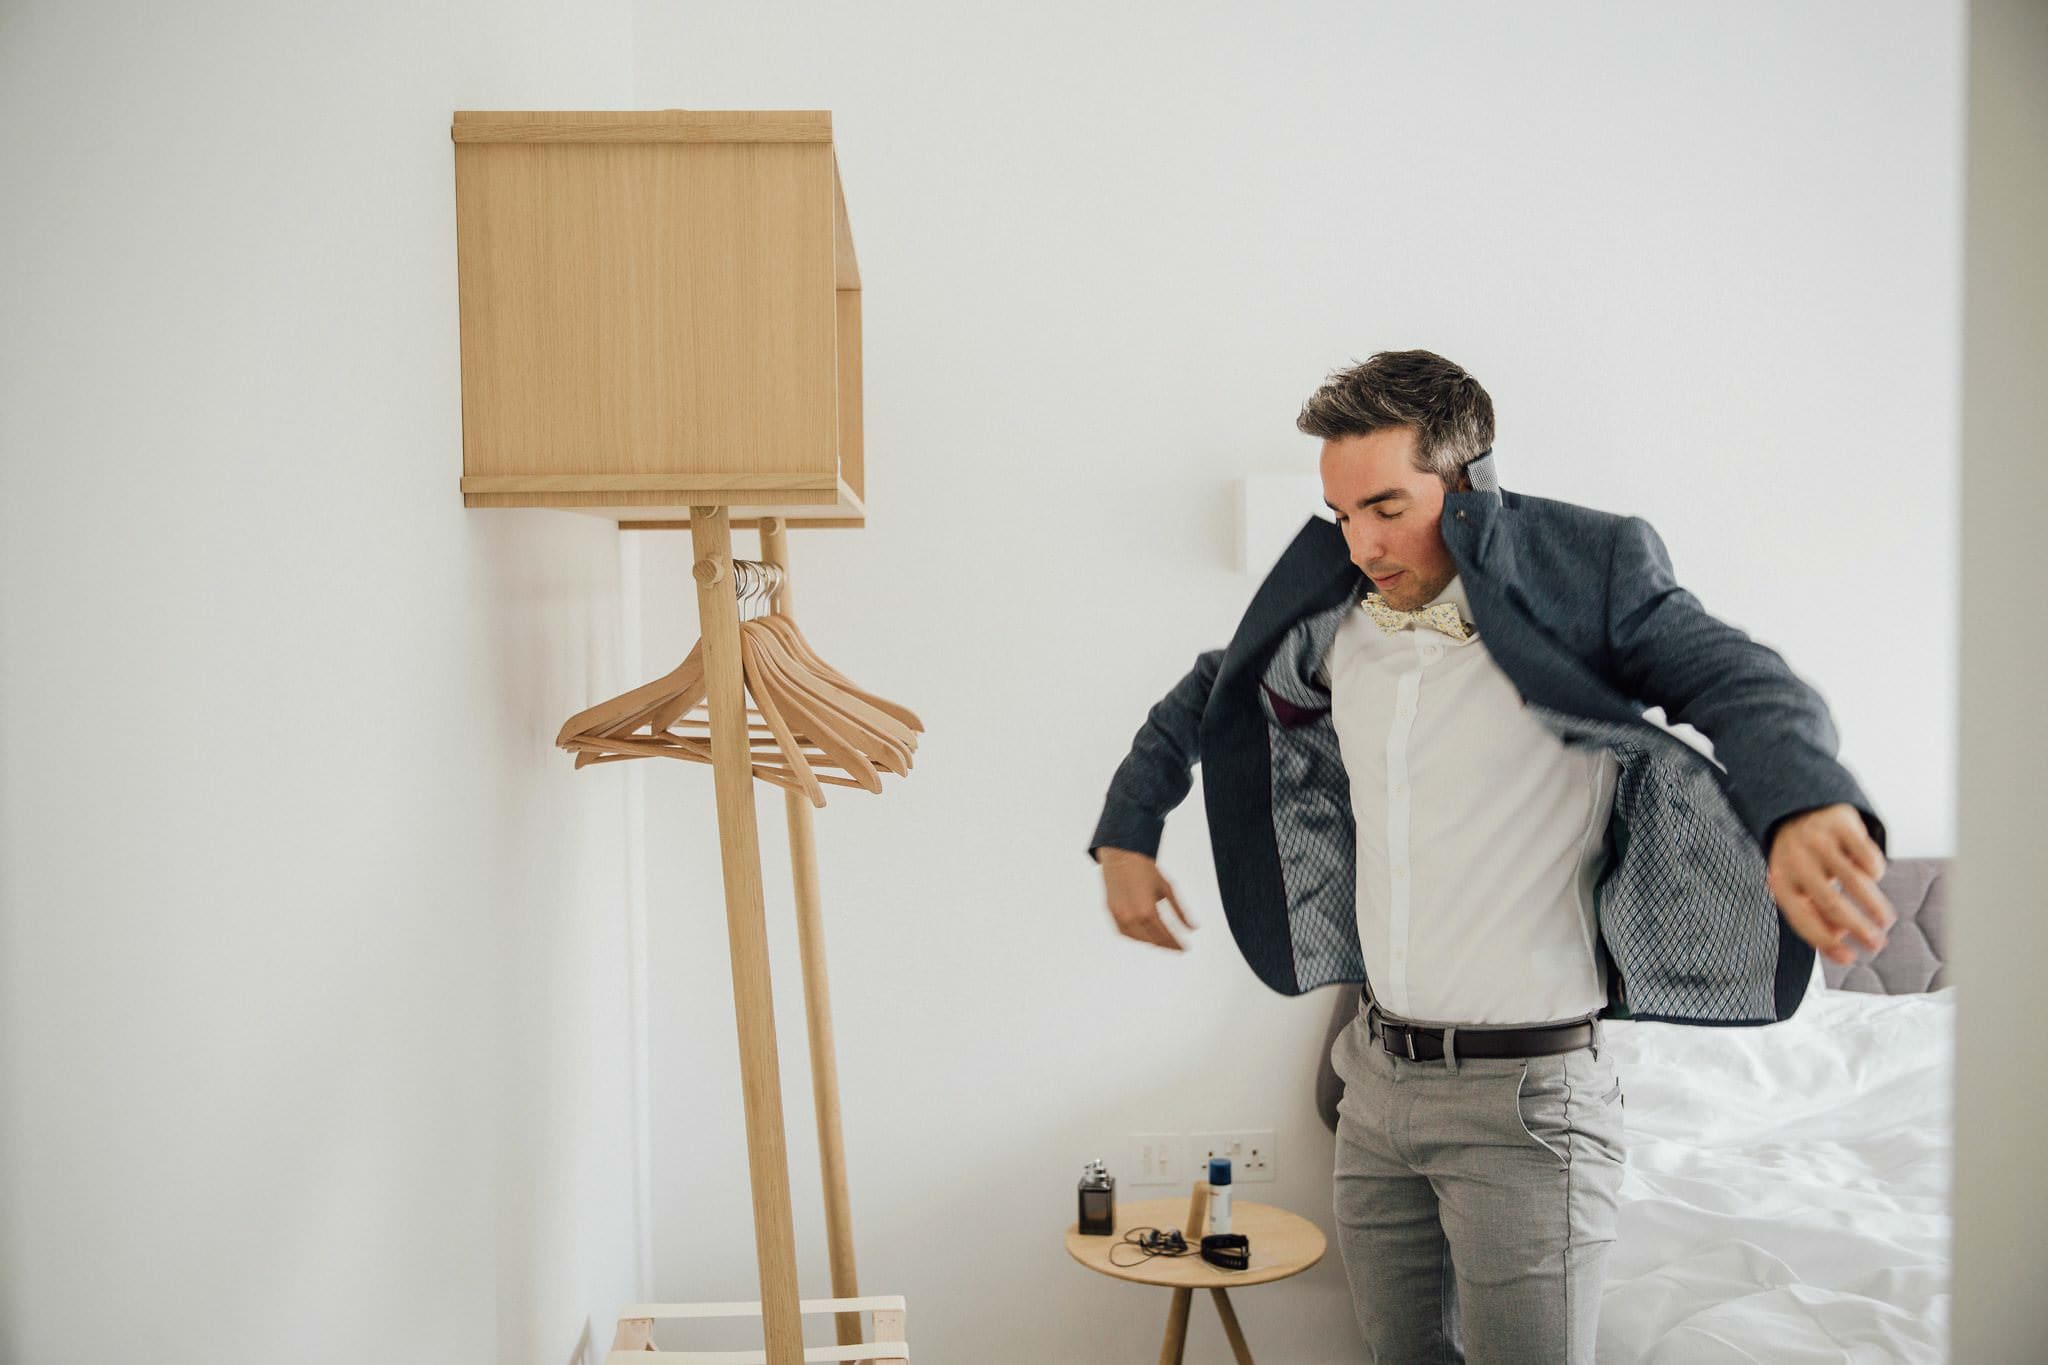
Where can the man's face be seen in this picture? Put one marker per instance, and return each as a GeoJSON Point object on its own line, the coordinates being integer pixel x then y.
{"type": "Point", "coordinates": [1389, 511]}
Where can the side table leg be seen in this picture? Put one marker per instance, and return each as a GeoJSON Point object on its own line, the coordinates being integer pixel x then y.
{"type": "Point", "coordinates": [1230, 1327]}
{"type": "Point", "coordinates": [1176, 1328]}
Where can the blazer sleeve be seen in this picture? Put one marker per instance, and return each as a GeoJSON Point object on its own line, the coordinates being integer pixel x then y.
{"type": "Point", "coordinates": [1157, 773]}
{"type": "Point", "coordinates": [1770, 730]}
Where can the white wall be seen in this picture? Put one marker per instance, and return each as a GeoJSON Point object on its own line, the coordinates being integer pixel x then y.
{"type": "Point", "coordinates": [314, 983]}
{"type": "Point", "coordinates": [1706, 260]}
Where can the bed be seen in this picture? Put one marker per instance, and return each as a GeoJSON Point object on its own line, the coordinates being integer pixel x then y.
{"type": "Point", "coordinates": [1786, 1194]}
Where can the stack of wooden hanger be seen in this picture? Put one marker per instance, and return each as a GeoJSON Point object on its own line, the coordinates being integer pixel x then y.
{"type": "Point", "coordinates": [807, 716]}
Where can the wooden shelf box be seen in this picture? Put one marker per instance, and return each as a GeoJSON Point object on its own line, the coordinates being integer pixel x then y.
{"type": "Point", "coordinates": [659, 309]}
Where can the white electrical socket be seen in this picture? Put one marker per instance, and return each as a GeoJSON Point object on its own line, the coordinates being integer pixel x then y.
{"type": "Point", "coordinates": [1155, 1159]}
{"type": "Point", "coordinates": [1253, 1155]}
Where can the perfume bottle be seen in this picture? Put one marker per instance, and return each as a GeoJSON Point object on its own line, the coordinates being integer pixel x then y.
{"type": "Point", "coordinates": [1219, 1194]}
{"type": "Point", "coordinates": [1098, 1200]}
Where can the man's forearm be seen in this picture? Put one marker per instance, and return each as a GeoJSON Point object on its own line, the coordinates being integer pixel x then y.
{"type": "Point", "coordinates": [1157, 773]}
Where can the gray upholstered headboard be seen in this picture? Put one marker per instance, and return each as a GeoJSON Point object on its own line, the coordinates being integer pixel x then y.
{"type": "Point", "coordinates": [1915, 958]}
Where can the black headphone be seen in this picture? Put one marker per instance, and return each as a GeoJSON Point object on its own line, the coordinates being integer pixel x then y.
{"type": "Point", "coordinates": [1231, 1250]}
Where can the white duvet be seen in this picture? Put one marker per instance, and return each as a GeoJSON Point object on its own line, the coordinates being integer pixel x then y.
{"type": "Point", "coordinates": [1786, 1193]}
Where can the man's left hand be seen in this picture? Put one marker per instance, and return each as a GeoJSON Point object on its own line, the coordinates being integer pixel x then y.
{"type": "Point", "coordinates": [1819, 860]}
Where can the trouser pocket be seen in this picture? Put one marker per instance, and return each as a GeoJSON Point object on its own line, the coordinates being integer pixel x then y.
{"type": "Point", "coordinates": [1570, 1104]}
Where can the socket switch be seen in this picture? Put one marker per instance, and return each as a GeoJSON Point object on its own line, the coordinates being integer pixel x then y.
{"type": "Point", "coordinates": [1156, 1159]}
{"type": "Point", "coordinates": [1253, 1155]}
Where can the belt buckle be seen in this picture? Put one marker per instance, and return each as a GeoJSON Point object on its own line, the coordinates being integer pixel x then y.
{"type": "Point", "coordinates": [1407, 1040]}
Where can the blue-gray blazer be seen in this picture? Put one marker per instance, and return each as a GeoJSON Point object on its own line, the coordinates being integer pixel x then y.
{"type": "Point", "coordinates": [1581, 611]}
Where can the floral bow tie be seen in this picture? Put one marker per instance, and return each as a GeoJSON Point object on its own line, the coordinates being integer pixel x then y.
{"type": "Point", "coordinates": [1441, 616]}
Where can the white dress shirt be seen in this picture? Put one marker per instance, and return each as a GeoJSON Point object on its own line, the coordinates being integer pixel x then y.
{"type": "Point", "coordinates": [1481, 834]}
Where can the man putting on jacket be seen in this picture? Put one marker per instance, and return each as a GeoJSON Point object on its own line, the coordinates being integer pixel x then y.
{"type": "Point", "coordinates": [1427, 769]}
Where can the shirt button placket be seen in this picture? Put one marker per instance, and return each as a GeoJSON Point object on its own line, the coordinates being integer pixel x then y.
{"type": "Point", "coordinates": [1397, 839]}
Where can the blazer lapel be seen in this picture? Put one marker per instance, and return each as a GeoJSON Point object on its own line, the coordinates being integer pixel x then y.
{"type": "Point", "coordinates": [1482, 531]}
{"type": "Point", "coordinates": [1314, 573]}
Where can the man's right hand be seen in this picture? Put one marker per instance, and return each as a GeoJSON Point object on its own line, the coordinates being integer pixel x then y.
{"type": "Point", "coordinates": [1134, 888]}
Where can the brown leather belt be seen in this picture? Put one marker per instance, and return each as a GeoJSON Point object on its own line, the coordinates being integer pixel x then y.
{"type": "Point", "coordinates": [1419, 1044]}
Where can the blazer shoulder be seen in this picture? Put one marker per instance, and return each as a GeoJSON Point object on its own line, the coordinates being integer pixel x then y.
{"type": "Point", "coordinates": [1564, 543]}
{"type": "Point", "coordinates": [1578, 516]}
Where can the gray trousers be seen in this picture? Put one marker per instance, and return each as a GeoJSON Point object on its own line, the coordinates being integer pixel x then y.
{"type": "Point", "coordinates": [1476, 1199]}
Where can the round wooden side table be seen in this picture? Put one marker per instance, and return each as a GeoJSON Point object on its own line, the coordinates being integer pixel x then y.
{"type": "Point", "coordinates": [1282, 1244]}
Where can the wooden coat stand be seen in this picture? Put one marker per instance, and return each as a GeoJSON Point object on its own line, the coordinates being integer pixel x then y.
{"type": "Point", "coordinates": [660, 316]}
{"type": "Point", "coordinates": [779, 1308]}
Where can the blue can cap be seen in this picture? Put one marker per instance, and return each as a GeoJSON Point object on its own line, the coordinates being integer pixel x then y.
{"type": "Point", "coordinates": [1219, 1170]}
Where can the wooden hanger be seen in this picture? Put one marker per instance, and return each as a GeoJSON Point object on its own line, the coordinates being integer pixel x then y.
{"type": "Point", "coordinates": [655, 705]}
{"type": "Point", "coordinates": [785, 627]}
{"type": "Point", "coordinates": [880, 737]}
{"type": "Point", "coordinates": [606, 715]}
{"type": "Point", "coordinates": [618, 749]}
{"type": "Point", "coordinates": [597, 745]}
{"type": "Point", "coordinates": [808, 716]}
{"type": "Point", "coordinates": [802, 715]}
{"type": "Point", "coordinates": [866, 717]}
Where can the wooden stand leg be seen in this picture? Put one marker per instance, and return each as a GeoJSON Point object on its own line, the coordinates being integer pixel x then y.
{"type": "Point", "coordinates": [810, 928]}
{"type": "Point", "coordinates": [746, 929]}
{"type": "Point", "coordinates": [1230, 1327]}
{"type": "Point", "coordinates": [1176, 1328]}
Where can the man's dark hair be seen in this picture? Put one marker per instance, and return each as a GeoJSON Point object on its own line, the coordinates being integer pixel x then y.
{"type": "Point", "coordinates": [1452, 415]}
